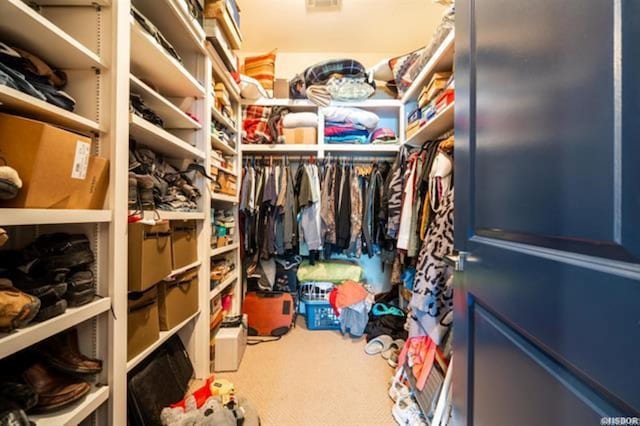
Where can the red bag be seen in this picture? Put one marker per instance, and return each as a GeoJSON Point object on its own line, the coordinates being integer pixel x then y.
{"type": "Point", "coordinates": [269, 313]}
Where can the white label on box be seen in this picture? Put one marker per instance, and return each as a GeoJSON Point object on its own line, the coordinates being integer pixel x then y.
{"type": "Point", "coordinates": [81, 160]}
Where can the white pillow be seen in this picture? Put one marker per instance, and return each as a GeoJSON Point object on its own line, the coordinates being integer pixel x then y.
{"type": "Point", "coordinates": [251, 89]}
{"type": "Point", "coordinates": [382, 71]}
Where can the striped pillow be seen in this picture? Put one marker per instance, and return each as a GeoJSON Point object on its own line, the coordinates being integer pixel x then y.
{"type": "Point", "coordinates": [263, 69]}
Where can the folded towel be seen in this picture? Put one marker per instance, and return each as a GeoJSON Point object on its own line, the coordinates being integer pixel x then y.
{"type": "Point", "coordinates": [351, 115]}
{"type": "Point", "coordinates": [319, 95]}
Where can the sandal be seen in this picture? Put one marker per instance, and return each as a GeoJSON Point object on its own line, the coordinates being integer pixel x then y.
{"type": "Point", "coordinates": [378, 345]}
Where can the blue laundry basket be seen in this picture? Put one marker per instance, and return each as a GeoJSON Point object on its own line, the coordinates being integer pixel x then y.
{"type": "Point", "coordinates": [320, 316]}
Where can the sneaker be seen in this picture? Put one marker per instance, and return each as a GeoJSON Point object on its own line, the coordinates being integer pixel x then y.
{"type": "Point", "coordinates": [17, 309]}
{"type": "Point", "coordinates": [398, 390]}
{"type": "Point", "coordinates": [10, 183]}
{"type": "Point", "coordinates": [407, 413]}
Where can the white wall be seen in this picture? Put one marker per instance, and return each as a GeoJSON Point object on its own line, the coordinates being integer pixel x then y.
{"type": "Point", "coordinates": [289, 64]}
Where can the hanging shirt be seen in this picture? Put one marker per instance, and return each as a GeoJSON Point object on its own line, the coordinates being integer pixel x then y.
{"type": "Point", "coordinates": [404, 231]}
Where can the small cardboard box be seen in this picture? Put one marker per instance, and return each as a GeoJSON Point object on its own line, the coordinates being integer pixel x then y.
{"type": "Point", "coordinates": [301, 135]}
{"type": "Point", "coordinates": [56, 166]}
{"type": "Point", "coordinates": [281, 88]}
{"type": "Point", "coordinates": [184, 243]}
{"type": "Point", "coordinates": [142, 323]}
{"type": "Point", "coordinates": [178, 299]}
{"type": "Point", "coordinates": [149, 254]}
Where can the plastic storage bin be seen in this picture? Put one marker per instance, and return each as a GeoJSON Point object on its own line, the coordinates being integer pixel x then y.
{"type": "Point", "coordinates": [320, 316]}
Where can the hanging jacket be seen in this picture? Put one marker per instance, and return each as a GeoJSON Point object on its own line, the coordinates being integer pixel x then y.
{"type": "Point", "coordinates": [343, 219]}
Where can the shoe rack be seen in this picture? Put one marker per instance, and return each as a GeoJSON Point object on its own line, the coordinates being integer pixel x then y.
{"type": "Point", "coordinates": [106, 55]}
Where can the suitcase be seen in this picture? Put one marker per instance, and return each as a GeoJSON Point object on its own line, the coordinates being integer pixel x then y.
{"type": "Point", "coordinates": [160, 380]}
{"type": "Point", "coordinates": [269, 313]}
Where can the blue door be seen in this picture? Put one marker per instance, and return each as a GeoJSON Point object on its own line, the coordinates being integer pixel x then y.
{"type": "Point", "coordinates": [547, 307]}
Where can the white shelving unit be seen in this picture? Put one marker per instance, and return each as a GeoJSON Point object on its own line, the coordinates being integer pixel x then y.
{"type": "Point", "coordinates": [222, 250]}
{"type": "Point", "coordinates": [76, 413]}
{"type": "Point", "coordinates": [161, 141]}
{"type": "Point", "coordinates": [433, 128]}
{"type": "Point", "coordinates": [233, 277]}
{"type": "Point", "coordinates": [15, 217]}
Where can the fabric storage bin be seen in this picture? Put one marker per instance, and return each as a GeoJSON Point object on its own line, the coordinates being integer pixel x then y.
{"type": "Point", "coordinates": [149, 254]}
{"type": "Point", "coordinates": [177, 299]}
{"type": "Point", "coordinates": [184, 243]}
{"type": "Point", "coordinates": [320, 316]}
{"type": "Point", "coordinates": [142, 321]}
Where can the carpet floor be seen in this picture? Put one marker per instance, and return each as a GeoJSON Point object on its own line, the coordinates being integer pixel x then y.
{"type": "Point", "coordinates": [315, 378]}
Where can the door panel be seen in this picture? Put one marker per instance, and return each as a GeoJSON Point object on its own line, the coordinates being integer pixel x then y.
{"type": "Point", "coordinates": [546, 312]}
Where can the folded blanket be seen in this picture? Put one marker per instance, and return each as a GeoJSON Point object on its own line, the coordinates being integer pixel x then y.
{"type": "Point", "coordinates": [319, 95]}
{"type": "Point", "coordinates": [344, 131]}
{"type": "Point", "coordinates": [333, 271]}
{"type": "Point", "coordinates": [275, 123]}
{"type": "Point", "coordinates": [321, 72]}
{"type": "Point", "coordinates": [300, 119]}
{"type": "Point", "coordinates": [255, 124]}
{"type": "Point", "coordinates": [355, 139]}
{"type": "Point", "coordinates": [351, 115]}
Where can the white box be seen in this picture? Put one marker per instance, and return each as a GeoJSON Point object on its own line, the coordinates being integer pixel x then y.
{"type": "Point", "coordinates": [230, 344]}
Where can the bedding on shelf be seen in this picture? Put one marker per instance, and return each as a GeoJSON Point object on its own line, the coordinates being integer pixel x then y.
{"type": "Point", "coordinates": [262, 68]}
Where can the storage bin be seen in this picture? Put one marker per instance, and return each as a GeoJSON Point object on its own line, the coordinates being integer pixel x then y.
{"type": "Point", "coordinates": [184, 243]}
{"type": "Point", "coordinates": [301, 135]}
{"type": "Point", "coordinates": [149, 254]}
{"type": "Point", "coordinates": [142, 321]}
{"type": "Point", "coordinates": [320, 316]}
{"type": "Point", "coordinates": [177, 299]}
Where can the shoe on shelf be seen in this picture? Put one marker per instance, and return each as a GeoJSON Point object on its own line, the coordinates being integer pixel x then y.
{"type": "Point", "coordinates": [10, 183]}
{"type": "Point", "coordinates": [22, 395]}
{"type": "Point", "coordinates": [17, 309]}
{"type": "Point", "coordinates": [12, 415]}
{"type": "Point", "coordinates": [37, 287]}
{"type": "Point", "coordinates": [407, 413]}
{"type": "Point", "coordinates": [57, 251]}
{"type": "Point", "coordinates": [51, 305]}
{"type": "Point", "coordinates": [4, 237]}
{"type": "Point", "coordinates": [55, 389]}
{"type": "Point", "coordinates": [62, 352]}
{"type": "Point", "coordinates": [81, 289]}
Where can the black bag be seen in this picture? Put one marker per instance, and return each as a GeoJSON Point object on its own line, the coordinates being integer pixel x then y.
{"type": "Point", "coordinates": [160, 380]}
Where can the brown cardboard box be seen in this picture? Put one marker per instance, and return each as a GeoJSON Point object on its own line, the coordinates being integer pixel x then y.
{"type": "Point", "coordinates": [281, 88]}
{"type": "Point", "coordinates": [149, 254]}
{"type": "Point", "coordinates": [301, 135]}
{"type": "Point", "coordinates": [55, 166]}
{"type": "Point", "coordinates": [184, 243]}
{"type": "Point", "coordinates": [178, 299]}
{"type": "Point", "coordinates": [143, 327]}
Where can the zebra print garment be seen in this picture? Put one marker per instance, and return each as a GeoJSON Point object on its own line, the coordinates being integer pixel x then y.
{"type": "Point", "coordinates": [394, 195]}
{"type": "Point", "coordinates": [432, 299]}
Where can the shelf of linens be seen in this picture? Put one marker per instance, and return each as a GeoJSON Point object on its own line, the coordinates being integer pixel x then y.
{"type": "Point", "coordinates": [279, 148]}
{"type": "Point", "coordinates": [38, 331]}
{"type": "Point", "coordinates": [218, 289]}
{"type": "Point", "coordinates": [300, 103]}
{"type": "Point", "coordinates": [220, 118]}
{"type": "Point", "coordinates": [371, 149]}
{"type": "Point", "coordinates": [14, 101]}
{"type": "Point", "coordinates": [222, 250]}
{"type": "Point", "coordinates": [18, 216]}
{"type": "Point", "coordinates": [439, 124]}
{"type": "Point", "coordinates": [150, 61]}
{"type": "Point", "coordinates": [169, 215]}
{"type": "Point", "coordinates": [174, 22]}
{"type": "Point", "coordinates": [27, 29]}
{"type": "Point", "coordinates": [164, 336]}
{"type": "Point", "coordinates": [171, 115]}
{"type": "Point", "coordinates": [221, 73]}
{"type": "Point", "coordinates": [75, 413]}
{"type": "Point", "coordinates": [161, 141]}
{"type": "Point", "coordinates": [442, 60]}
{"type": "Point", "coordinates": [218, 144]}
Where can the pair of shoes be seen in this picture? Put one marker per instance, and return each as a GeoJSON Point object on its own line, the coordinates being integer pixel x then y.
{"type": "Point", "coordinates": [398, 389]}
{"type": "Point", "coordinates": [11, 414]}
{"type": "Point", "coordinates": [62, 352]}
{"type": "Point", "coordinates": [54, 389]}
{"type": "Point", "coordinates": [407, 413]}
{"type": "Point", "coordinates": [17, 309]}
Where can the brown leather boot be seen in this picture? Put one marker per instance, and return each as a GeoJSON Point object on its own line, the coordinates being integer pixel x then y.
{"type": "Point", "coordinates": [62, 352]}
{"type": "Point", "coordinates": [17, 309]}
{"type": "Point", "coordinates": [54, 389]}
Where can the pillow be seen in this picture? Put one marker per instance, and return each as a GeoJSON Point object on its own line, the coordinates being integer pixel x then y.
{"type": "Point", "coordinates": [263, 69]}
{"type": "Point", "coordinates": [321, 72]}
{"type": "Point", "coordinates": [382, 71]}
{"type": "Point", "coordinates": [251, 89]}
{"type": "Point", "coordinates": [403, 67]}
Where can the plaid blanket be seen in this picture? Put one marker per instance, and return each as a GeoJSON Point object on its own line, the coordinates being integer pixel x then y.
{"type": "Point", "coordinates": [321, 72]}
{"type": "Point", "coordinates": [255, 124]}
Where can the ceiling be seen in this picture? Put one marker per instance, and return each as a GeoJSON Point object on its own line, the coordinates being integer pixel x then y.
{"type": "Point", "coordinates": [393, 26]}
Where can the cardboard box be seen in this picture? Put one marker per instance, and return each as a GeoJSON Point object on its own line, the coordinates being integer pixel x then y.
{"type": "Point", "coordinates": [301, 135]}
{"type": "Point", "coordinates": [55, 166]}
{"type": "Point", "coordinates": [142, 323]}
{"type": "Point", "coordinates": [184, 243]}
{"type": "Point", "coordinates": [177, 299]}
{"type": "Point", "coordinates": [149, 254]}
{"type": "Point", "coordinates": [230, 344]}
{"type": "Point", "coordinates": [281, 88]}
